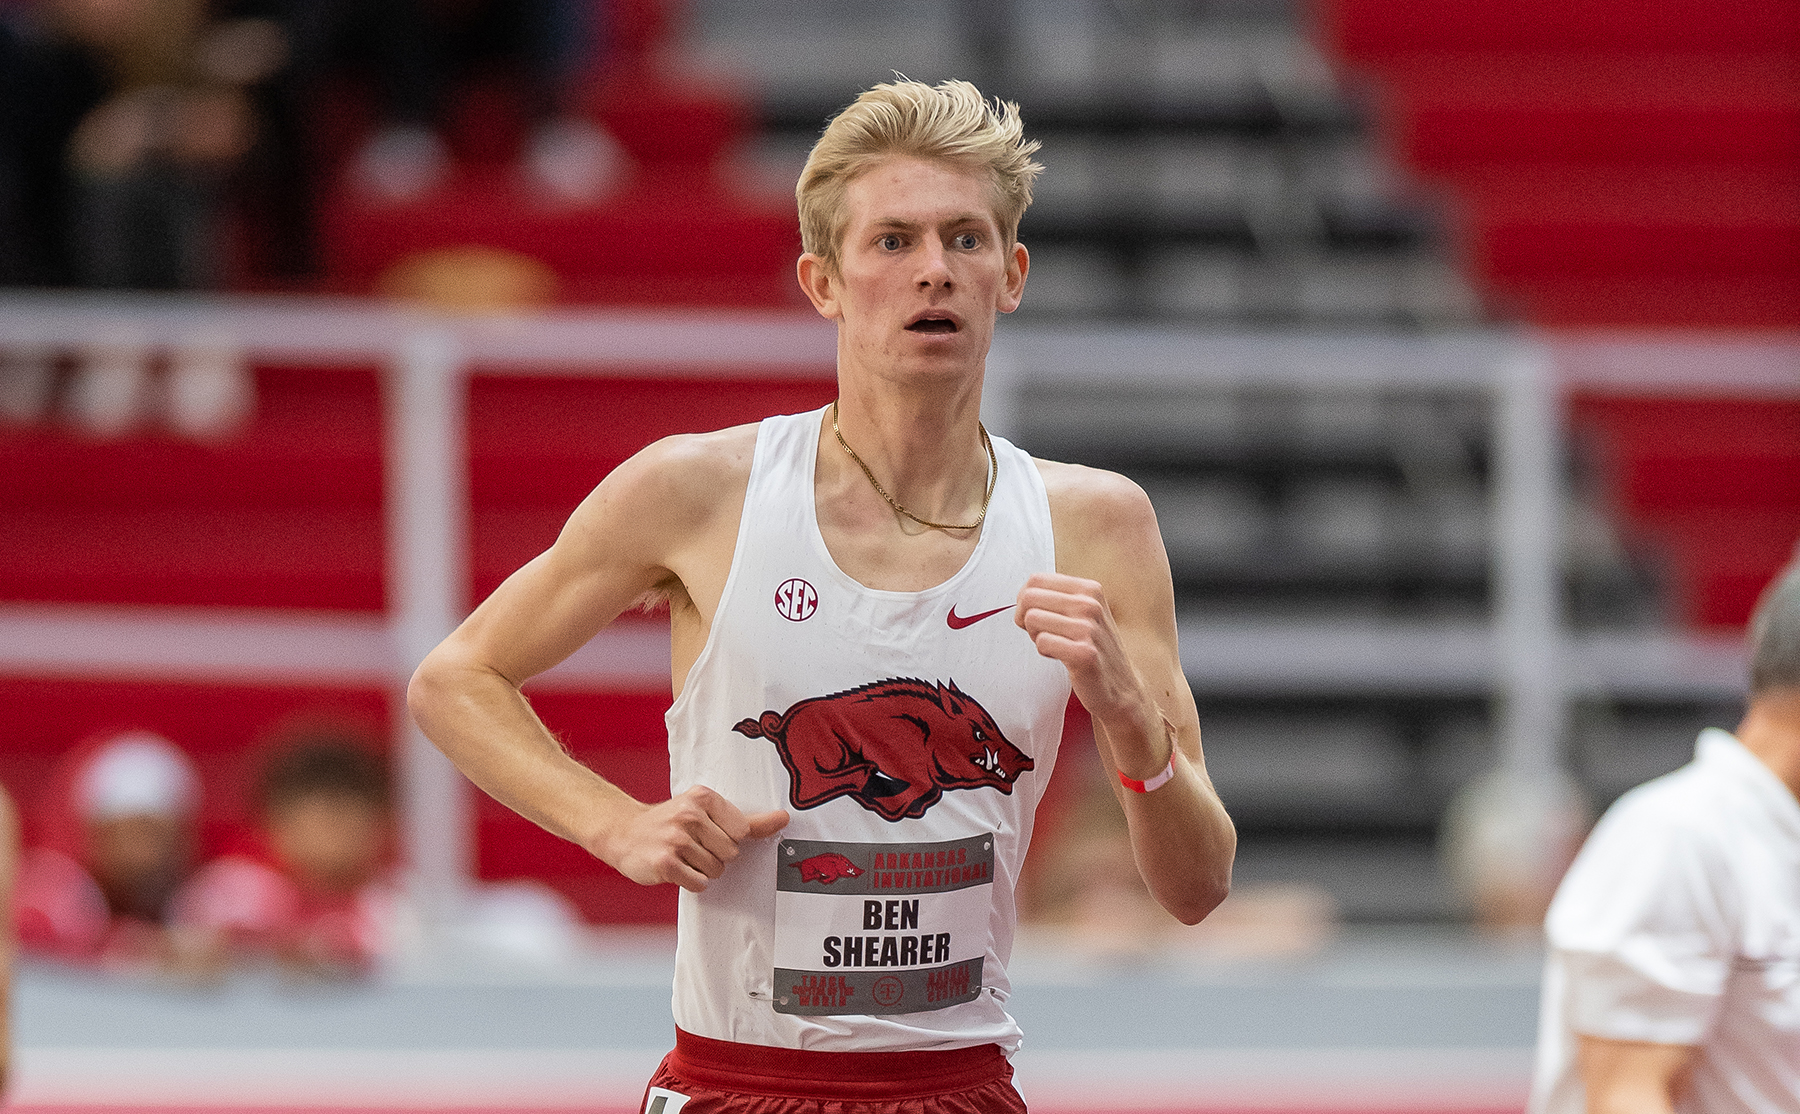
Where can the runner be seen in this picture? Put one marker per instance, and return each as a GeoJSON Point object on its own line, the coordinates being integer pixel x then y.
{"type": "Point", "coordinates": [878, 612]}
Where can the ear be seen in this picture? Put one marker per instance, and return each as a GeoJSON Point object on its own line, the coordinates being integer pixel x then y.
{"type": "Point", "coordinates": [947, 697]}
{"type": "Point", "coordinates": [1016, 268]}
{"type": "Point", "coordinates": [820, 285]}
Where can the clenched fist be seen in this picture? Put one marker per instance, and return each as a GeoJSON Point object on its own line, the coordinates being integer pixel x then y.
{"type": "Point", "coordinates": [1068, 620]}
{"type": "Point", "coordinates": [687, 840]}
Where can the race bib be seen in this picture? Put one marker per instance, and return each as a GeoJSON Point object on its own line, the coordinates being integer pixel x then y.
{"type": "Point", "coordinates": [881, 928]}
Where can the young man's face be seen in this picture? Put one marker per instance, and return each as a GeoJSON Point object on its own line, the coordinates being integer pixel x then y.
{"type": "Point", "coordinates": [922, 270]}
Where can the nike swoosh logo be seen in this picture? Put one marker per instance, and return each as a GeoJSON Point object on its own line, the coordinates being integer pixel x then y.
{"type": "Point", "coordinates": [958, 622]}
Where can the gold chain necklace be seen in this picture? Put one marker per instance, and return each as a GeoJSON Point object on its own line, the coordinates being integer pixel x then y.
{"type": "Point", "coordinates": [993, 476]}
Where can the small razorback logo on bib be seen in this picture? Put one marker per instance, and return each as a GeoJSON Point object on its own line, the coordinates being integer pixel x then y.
{"type": "Point", "coordinates": [893, 746]}
{"type": "Point", "coordinates": [826, 868]}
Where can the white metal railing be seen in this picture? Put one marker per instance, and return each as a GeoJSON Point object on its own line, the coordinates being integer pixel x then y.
{"type": "Point", "coordinates": [427, 359]}
{"type": "Point", "coordinates": [1524, 655]}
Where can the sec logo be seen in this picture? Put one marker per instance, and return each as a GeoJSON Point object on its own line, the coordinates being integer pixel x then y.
{"type": "Point", "coordinates": [796, 600]}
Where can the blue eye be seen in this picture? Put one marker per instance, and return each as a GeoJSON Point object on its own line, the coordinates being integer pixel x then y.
{"type": "Point", "coordinates": [889, 243]}
{"type": "Point", "coordinates": [968, 241]}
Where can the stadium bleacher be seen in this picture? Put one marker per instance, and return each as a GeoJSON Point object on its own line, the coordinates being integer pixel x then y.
{"type": "Point", "coordinates": [1614, 164]}
{"type": "Point", "coordinates": [1622, 166]}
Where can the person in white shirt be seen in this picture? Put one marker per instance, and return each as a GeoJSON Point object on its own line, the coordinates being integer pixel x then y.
{"type": "Point", "coordinates": [1673, 977]}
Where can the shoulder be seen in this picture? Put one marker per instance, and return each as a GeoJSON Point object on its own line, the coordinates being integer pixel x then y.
{"type": "Point", "coordinates": [1084, 493]}
{"type": "Point", "coordinates": [692, 464]}
{"type": "Point", "coordinates": [1681, 810]}
{"type": "Point", "coordinates": [1101, 519]}
{"type": "Point", "coordinates": [680, 480]}
{"type": "Point", "coordinates": [1671, 815]}
{"type": "Point", "coordinates": [1655, 861]}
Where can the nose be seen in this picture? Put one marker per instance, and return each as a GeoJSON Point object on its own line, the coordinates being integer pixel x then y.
{"type": "Point", "coordinates": [934, 266]}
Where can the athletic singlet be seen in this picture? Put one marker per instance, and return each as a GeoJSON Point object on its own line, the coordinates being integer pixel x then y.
{"type": "Point", "coordinates": [909, 735]}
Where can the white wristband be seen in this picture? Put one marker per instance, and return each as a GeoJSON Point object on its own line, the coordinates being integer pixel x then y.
{"type": "Point", "coordinates": [1156, 782]}
{"type": "Point", "coordinates": [1168, 771]}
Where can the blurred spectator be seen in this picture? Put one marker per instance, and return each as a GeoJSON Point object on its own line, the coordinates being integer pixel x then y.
{"type": "Point", "coordinates": [47, 84]}
{"type": "Point", "coordinates": [1505, 842]}
{"type": "Point", "coordinates": [318, 42]}
{"type": "Point", "coordinates": [115, 841]}
{"type": "Point", "coordinates": [125, 124]}
{"type": "Point", "coordinates": [420, 53]}
{"type": "Point", "coordinates": [122, 123]}
{"type": "Point", "coordinates": [149, 163]}
{"type": "Point", "coordinates": [309, 890]}
{"type": "Point", "coordinates": [548, 44]}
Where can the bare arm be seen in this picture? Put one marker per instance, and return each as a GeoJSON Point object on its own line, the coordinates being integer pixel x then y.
{"type": "Point", "coordinates": [1108, 615]}
{"type": "Point", "coordinates": [1632, 1077]}
{"type": "Point", "coordinates": [653, 522]}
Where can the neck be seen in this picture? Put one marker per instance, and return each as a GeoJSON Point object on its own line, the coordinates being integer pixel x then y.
{"type": "Point", "coordinates": [923, 444]}
{"type": "Point", "coordinates": [1771, 731]}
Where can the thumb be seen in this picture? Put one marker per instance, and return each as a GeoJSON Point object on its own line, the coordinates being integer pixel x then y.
{"type": "Point", "coordinates": [766, 823]}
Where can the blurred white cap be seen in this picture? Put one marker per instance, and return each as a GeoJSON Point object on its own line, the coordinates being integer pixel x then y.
{"type": "Point", "coordinates": [137, 773]}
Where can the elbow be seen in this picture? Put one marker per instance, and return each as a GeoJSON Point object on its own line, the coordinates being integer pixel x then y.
{"type": "Point", "coordinates": [446, 688]}
{"type": "Point", "coordinates": [1207, 895]}
{"type": "Point", "coordinates": [1207, 887]}
{"type": "Point", "coordinates": [425, 691]}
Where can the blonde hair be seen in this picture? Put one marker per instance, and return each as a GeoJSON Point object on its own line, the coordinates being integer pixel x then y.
{"type": "Point", "coordinates": [949, 122]}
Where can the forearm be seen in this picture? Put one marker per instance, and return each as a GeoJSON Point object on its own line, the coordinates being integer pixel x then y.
{"type": "Point", "coordinates": [482, 722]}
{"type": "Point", "coordinates": [1108, 615]}
{"type": "Point", "coordinates": [1181, 838]}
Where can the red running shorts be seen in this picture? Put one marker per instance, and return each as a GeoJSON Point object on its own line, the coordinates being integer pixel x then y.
{"type": "Point", "coordinates": [704, 1076]}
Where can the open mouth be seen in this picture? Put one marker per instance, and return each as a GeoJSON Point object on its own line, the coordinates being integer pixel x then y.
{"type": "Point", "coordinates": [932, 324]}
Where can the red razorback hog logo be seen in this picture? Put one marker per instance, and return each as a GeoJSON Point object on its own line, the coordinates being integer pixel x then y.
{"type": "Point", "coordinates": [894, 746]}
{"type": "Point", "coordinates": [826, 868]}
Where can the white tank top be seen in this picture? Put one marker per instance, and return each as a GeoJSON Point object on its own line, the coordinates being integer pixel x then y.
{"type": "Point", "coordinates": [910, 736]}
